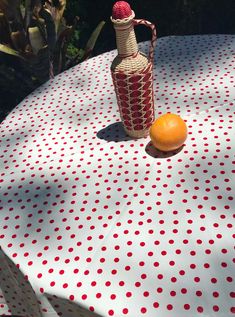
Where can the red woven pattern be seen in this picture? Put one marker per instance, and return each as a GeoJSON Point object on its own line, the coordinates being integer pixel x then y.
{"type": "Point", "coordinates": [121, 10]}
{"type": "Point", "coordinates": [135, 99]}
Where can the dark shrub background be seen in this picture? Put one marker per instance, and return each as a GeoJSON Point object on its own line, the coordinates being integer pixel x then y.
{"type": "Point", "coordinates": [171, 17]}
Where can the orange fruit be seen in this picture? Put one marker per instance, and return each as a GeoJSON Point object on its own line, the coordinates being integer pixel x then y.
{"type": "Point", "coordinates": [168, 132]}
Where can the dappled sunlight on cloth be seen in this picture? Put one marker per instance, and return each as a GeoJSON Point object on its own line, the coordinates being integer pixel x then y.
{"type": "Point", "coordinates": [95, 223]}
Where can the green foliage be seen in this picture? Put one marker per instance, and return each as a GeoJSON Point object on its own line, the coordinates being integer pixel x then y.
{"type": "Point", "coordinates": [66, 43]}
{"type": "Point", "coordinates": [171, 17]}
{"type": "Point", "coordinates": [36, 43]}
{"type": "Point", "coordinates": [72, 49]}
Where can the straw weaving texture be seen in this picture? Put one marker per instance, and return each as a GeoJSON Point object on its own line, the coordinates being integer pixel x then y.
{"type": "Point", "coordinates": [135, 100]}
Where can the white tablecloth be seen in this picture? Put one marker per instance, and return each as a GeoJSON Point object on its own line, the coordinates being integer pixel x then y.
{"type": "Point", "coordinates": [93, 223]}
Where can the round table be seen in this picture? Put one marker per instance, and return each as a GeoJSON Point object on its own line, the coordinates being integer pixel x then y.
{"type": "Point", "coordinates": [93, 223]}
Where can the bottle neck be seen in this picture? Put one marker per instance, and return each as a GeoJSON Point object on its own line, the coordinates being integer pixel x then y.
{"type": "Point", "coordinates": [125, 39]}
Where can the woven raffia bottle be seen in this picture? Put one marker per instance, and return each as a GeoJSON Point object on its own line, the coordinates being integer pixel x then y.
{"type": "Point", "coordinates": [132, 73]}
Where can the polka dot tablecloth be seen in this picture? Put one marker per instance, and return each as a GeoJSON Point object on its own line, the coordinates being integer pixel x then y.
{"type": "Point", "coordinates": [93, 223]}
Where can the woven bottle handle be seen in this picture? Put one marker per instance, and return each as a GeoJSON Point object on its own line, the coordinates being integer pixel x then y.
{"type": "Point", "coordinates": [154, 35]}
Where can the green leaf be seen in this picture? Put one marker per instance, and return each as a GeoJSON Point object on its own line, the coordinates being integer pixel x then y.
{"type": "Point", "coordinates": [10, 8]}
{"type": "Point", "coordinates": [61, 48]}
{"type": "Point", "coordinates": [50, 26]}
{"type": "Point", "coordinates": [36, 39]}
{"type": "Point", "coordinates": [32, 8]}
{"type": "Point", "coordinates": [40, 23]}
{"type": "Point", "coordinates": [4, 30]}
{"type": "Point", "coordinates": [7, 50]}
{"type": "Point", "coordinates": [18, 39]}
{"type": "Point", "coordinates": [92, 40]}
{"type": "Point", "coordinates": [41, 64]}
{"type": "Point", "coordinates": [56, 8]}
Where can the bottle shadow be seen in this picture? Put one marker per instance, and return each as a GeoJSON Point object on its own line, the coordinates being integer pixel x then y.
{"type": "Point", "coordinates": [155, 153]}
{"type": "Point", "coordinates": [113, 132]}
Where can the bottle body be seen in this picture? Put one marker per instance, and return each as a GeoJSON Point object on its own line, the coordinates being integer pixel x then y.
{"type": "Point", "coordinates": [132, 74]}
{"type": "Point", "coordinates": [135, 100]}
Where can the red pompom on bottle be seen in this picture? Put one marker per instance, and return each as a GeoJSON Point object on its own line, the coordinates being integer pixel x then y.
{"type": "Point", "coordinates": [121, 10]}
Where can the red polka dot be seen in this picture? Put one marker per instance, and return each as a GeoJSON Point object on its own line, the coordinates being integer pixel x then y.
{"type": "Point", "coordinates": [143, 310]}
{"type": "Point", "coordinates": [200, 309]}
{"type": "Point", "coordinates": [216, 308]}
{"type": "Point", "coordinates": [186, 306]}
